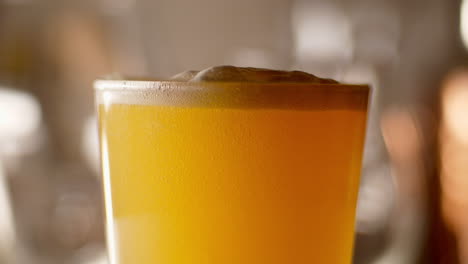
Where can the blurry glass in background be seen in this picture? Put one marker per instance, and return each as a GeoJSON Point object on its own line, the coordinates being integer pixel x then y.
{"type": "Point", "coordinates": [51, 50]}
{"type": "Point", "coordinates": [454, 158]}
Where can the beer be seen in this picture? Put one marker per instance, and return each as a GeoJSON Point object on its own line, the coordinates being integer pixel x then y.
{"type": "Point", "coordinates": [230, 173]}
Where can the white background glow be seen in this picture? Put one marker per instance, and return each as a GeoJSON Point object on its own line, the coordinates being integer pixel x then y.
{"type": "Point", "coordinates": [464, 22]}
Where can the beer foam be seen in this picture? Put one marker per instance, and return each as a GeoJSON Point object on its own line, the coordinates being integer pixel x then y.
{"type": "Point", "coordinates": [234, 87]}
{"type": "Point", "coordinates": [248, 74]}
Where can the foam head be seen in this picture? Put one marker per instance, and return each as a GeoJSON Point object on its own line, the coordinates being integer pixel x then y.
{"type": "Point", "coordinates": [247, 74]}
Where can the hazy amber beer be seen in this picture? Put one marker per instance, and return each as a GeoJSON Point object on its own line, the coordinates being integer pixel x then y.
{"type": "Point", "coordinates": [230, 173]}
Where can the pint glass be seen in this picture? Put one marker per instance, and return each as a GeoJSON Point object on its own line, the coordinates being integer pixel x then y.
{"type": "Point", "coordinates": [230, 172]}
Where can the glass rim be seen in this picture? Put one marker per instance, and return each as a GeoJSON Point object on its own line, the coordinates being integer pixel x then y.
{"type": "Point", "coordinates": [157, 85]}
{"type": "Point", "coordinates": [301, 95]}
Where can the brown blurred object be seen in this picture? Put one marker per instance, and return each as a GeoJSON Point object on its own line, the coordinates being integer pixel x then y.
{"type": "Point", "coordinates": [403, 132]}
{"type": "Point", "coordinates": [453, 139]}
{"type": "Point", "coordinates": [75, 45]}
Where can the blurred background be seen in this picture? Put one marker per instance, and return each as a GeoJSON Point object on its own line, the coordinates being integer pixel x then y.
{"type": "Point", "coordinates": [413, 205]}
